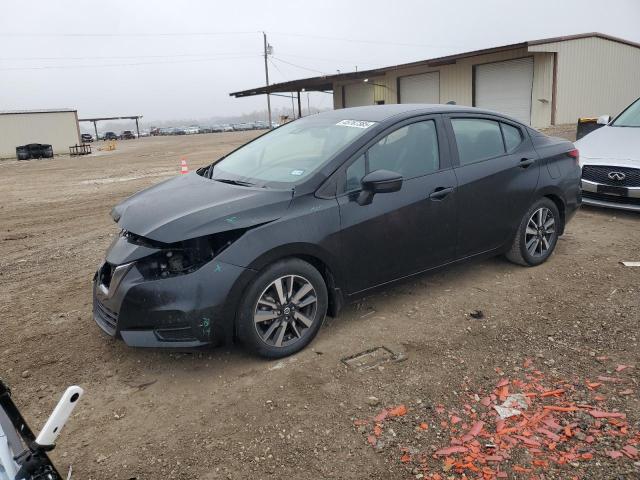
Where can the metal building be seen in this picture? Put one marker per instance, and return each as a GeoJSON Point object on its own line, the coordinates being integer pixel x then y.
{"type": "Point", "coordinates": [540, 82]}
{"type": "Point", "coordinates": [59, 128]}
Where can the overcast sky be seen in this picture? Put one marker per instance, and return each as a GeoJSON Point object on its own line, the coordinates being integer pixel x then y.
{"type": "Point", "coordinates": [180, 59]}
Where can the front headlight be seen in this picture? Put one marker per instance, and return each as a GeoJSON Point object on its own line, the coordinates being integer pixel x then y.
{"type": "Point", "coordinates": [183, 257]}
{"type": "Point", "coordinates": [177, 260]}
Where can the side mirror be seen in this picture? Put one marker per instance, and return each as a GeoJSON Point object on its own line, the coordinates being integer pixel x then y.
{"type": "Point", "coordinates": [603, 120]}
{"type": "Point", "coordinates": [380, 181]}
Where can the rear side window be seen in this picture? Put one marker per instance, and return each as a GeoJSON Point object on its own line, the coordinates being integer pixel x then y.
{"type": "Point", "coordinates": [512, 137]}
{"type": "Point", "coordinates": [477, 139]}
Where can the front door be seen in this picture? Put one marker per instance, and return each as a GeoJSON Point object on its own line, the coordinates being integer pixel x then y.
{"type": "Point", "coordinates": [407, 231]}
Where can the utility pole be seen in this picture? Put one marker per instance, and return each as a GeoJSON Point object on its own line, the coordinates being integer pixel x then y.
{"type": "Point", "coordinates": [267, 51]}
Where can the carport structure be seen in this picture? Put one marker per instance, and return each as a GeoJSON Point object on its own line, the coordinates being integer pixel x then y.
{"type": "Point", "coordinates": [294, 87]}
{"type": "Point", "coordinates": [543, 82]}
{"type": "Point", "coordinates": [100, 119]}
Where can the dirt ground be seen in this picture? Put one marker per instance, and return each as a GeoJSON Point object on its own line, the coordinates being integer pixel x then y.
{"type": "Point", "coordinates": [220, 413]}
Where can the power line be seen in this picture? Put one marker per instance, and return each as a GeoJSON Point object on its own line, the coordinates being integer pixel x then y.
{"type": "Point", "coordinates": [223, 33]}
{"type": "Point", "coordinates": [278, 69]}
{"type": "Point", "coordinates": [299, 66]}
{"type": "Point", "coordinates": [137, 34]}
{"type": "Point", "coordinates": [48, 67]}
{"type": "Point", "coordinates": [333, 60]}
{"type": "Point", "coordinates": [125, 57]}
{"type": "Point", "coordinates": [355, 40]}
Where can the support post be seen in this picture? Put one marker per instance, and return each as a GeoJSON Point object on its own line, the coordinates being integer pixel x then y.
{"type": "Point", "coordinates": [299, 106]}
{"type": "Point", "coordinates": [95, 129]}
{"type": "Point", "coordinates": [137, 128]}
{"type": "Point", "coordinates": [266, 74]}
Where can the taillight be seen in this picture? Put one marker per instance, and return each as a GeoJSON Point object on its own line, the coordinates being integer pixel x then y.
{"type": "Point", "coordinates": [575, 154]}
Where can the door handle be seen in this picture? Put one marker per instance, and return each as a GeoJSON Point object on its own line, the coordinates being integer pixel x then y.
{"type": "Point", "coordinates": [525, 162]}
{"type": "Point", "coordinates": [440, 192]}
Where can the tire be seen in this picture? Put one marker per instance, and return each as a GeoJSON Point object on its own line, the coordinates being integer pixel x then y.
{"type": "Point", "coordinates": [264, 311]}
{"type": "Point", "coordinates": [537, 234]}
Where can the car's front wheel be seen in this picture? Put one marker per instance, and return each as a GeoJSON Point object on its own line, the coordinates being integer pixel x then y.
{"type": "Point", "coordinates": [537, 234]}
{"type": "Point", "coordinates": [283, 309]}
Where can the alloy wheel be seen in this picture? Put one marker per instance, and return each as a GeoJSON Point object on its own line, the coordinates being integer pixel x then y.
{"type": "Point", "coordinates": [285, 310]}
{"type": "Point", "coordinates": [540, 232]}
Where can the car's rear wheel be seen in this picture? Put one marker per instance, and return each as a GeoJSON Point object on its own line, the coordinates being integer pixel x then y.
{"type": "Point", "coordinates": [283, 309]}
{"type": "Point", "coordinates": [537, 234]}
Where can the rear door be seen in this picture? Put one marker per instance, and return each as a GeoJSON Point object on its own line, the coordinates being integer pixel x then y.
{"type": "Point", "coordinates": [497, 173]}
{"type": "Point", "coordinates": [407, 231]}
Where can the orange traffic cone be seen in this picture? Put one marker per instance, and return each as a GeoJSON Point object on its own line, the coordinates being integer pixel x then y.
{"type": "Point", "coordinates": [183, 166]}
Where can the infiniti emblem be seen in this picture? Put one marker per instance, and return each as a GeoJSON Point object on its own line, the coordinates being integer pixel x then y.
{"type": "Point", "coordinates": [619, 176]}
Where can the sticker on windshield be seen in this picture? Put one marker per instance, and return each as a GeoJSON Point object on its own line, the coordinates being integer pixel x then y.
{"type": "Point", "coordinates": [297, 173]}
{"type": "Point", "coordinates": [355, 123]}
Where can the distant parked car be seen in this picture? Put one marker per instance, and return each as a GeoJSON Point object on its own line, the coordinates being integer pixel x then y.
{"type": "Point", "coordinates": [34, 150]}
{"type": "Point", "coordinates": [610, 161]}
{"type": "Point", "coordinates": [178, 131]}
{"type": "Point", "coordinates": [110, 136]}
{"type": "Point", "coordinates": [144, 133]}
{"type": "Point", "coordinates": [86, 138]}
{"type": "Point", "coordinates": [226, 128]}
{"type": "Point", "coordinates": [127, 135]}
{"type": "Point", "coordinates": [192, 130]}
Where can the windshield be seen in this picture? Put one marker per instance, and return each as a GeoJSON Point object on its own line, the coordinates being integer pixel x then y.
{"type": "Point", "coordinates": [630, 117]}
{"type": "Point", "coordinates": [291, 153]}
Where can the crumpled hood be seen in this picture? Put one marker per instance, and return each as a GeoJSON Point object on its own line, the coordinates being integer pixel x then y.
{"type": "Point", "coordinates": [611, 146]}
{"type": "Point", "coordinates": [191, 206]}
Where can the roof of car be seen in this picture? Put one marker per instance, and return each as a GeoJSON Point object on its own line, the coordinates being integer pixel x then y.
{"type": "Point", "coordinates": [379, 113]}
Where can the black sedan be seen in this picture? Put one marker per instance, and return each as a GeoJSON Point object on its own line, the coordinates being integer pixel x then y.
{"type": "Point", "coordinates": [265, 242]}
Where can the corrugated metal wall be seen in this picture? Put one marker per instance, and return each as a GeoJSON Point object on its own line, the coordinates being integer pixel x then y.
{"type": "Point", "coordinates": [456, 82]}
{"type": "Point", "coordinates": [60, 129]}
{"type": "Point", "coordinates": [595, 77]}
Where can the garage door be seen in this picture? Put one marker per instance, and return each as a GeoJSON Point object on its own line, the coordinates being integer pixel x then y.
{"type": "Point", "coordinates": [506, 87]}
{"type": "Point", "coordinates": [423, 88]}
{"type": "Point", "coordinates": [358, 94]}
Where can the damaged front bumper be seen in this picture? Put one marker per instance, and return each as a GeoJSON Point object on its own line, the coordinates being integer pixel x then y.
{"type": "Point", "coordinates": [184, 311]}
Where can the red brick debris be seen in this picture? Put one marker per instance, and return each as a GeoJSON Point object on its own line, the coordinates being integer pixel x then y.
{"type": "Point", "coordinates": [564, 426]}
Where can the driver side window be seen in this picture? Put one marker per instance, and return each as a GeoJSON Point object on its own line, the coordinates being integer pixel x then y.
{"type": "Point", "coordinates": [411, 151]}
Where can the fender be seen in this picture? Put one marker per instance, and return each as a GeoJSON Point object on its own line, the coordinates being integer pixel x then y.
{"type": "Point", "coordinates": [300, 249]}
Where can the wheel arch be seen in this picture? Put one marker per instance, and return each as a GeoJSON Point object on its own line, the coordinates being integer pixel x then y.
{"type": "Point", "coordinates": [320, 258]}
{"type": "Point", "coordinates": [559, 202]}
